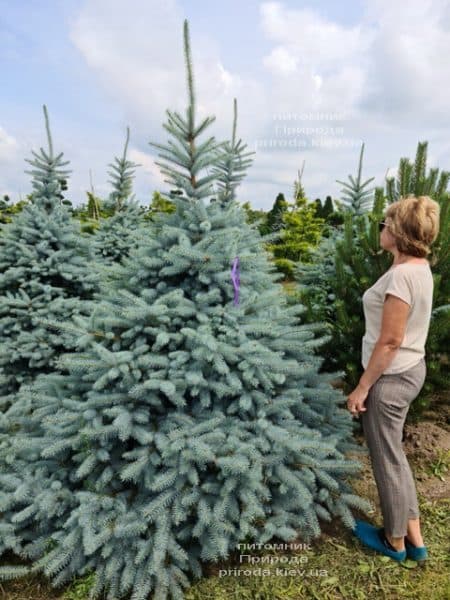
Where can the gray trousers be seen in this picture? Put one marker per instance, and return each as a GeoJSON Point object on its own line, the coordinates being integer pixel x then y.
{"type": "Point", "coordinates": [387, 405]}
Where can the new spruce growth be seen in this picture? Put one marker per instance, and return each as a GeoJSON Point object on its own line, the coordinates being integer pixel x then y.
{"type": "Point", "coordinates": [124, 229]}
{"type": "Point", "coordinates": [355, 197]}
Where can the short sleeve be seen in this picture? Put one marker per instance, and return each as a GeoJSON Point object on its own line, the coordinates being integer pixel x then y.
{"type": "Point", "coordinates": [400, 285]}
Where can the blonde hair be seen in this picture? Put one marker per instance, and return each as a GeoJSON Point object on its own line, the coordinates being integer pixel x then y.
{"type": "Point", "coordinates": [414, 222]}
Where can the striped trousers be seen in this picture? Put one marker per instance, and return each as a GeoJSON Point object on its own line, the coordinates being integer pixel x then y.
{"type": "Point", "coordinates": [387, 405]}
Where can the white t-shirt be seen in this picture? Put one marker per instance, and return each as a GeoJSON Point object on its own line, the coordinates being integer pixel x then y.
{"type": "Point", "coordinates": [413, 283]}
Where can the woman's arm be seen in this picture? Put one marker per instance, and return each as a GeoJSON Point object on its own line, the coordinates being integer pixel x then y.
{"type": "Point", "coordinates": [393, 326]}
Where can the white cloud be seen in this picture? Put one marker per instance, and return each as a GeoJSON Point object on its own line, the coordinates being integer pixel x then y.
{"type": "Point", "coordinates": [138, 56]}
{"type": "Point", "coordinates": [140, 62]}
{"type": "Point", "coordinates": [9, 146]}
{"type": "Point", "coordinates": [317, 64]}
{"type": "Point", "coordinates": [392, 64]}
{"type": "Point", "coordinates": [408, 60]}
{"type": "Point", "coordinates": [387, 73]}
{"type": "Point", "coordinates": [10, 158]}
{"type": "Point", "coordinates": [281, 61]}
{"type": "Point", "coordinates": [133, 51]}
{"type": "Point", "coordinates": [147, 165]}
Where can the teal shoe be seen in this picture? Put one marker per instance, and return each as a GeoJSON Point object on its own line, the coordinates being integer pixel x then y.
{"type": "Point", "coordinates": [418, 553]}
{"type": "Point", "coordinates": [374, 538]}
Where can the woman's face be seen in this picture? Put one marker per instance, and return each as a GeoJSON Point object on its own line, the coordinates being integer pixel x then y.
{"type": "Point", "coordinates": [387, 240]}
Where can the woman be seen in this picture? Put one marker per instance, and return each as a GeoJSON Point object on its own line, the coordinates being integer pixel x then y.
{"type": "Point", "coordinates": [397, 310]}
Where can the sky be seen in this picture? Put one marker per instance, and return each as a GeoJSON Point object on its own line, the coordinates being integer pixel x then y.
{"type": "Point", "coordinates": [313, 80]}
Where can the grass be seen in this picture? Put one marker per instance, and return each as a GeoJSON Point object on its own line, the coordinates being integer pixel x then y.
{"type": "Point", "coordinates": [441, 465]}
{"type": "Point", "coordinates": [352, 571]}
{"type": "Point", "coordinates": [336, 567]}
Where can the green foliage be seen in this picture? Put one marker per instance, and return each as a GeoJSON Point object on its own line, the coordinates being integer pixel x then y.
{"type": "Point", "coordinates": [87, 213]}
{"type": "Point", "coordinates": [324, 210]}
{"type": "Point", "coordinates": [93, 208]}
{"type": "Point", "coordinates": [274, 219]}
{"type": "Point", "coordinates": [159, 205]}
{"type": "Point", "coordinates": [333, 216]}
{"type": "Point", "coordinates": [256, 216]}
{"type": "Point", "coordinates": [300, 233]}
{"type": "Point", "coordinates": [8, 210]}
{"type": "Point", "coordinates": [413, 178]}
{"type": "Point", "coordinates": [344, 266]}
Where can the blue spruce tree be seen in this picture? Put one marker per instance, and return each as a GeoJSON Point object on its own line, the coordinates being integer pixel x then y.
{"type": "Point", "coordinates": [44, 273]}
{"type": "Point", "coordinates": [192, 417]}
{"type": "Point", "coordinates": [119, 233]}
{"type": "Point", "coordinates": [355, 197]}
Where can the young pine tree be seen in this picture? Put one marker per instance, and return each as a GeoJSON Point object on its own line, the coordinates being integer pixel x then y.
{"type": "Point", "coordinates": [44, 274]}
{"type": "Point", "coordinates": [413, 178]}
{"type": "Point", "coordinates": [193, 416]}
{"type": "Point", "coordinates": [345, 264]}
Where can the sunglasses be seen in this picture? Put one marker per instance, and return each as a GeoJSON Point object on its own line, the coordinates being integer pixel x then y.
{"type": "Point", "coordinates": [381, 226]}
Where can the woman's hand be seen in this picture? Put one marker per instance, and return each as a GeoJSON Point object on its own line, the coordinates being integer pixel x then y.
{"type": "Point", "coordinates": [355, 401]}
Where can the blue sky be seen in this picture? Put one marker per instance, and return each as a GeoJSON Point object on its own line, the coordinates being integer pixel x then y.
{"type": "Point", "coordinates": [366, 70]}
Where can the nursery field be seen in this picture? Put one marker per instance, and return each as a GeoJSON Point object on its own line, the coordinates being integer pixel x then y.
{"type": "Point", "coordinates": [174, 382]}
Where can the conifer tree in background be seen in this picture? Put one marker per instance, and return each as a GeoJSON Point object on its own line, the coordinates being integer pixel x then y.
{"type": "Point", "coordinates": [93, 207]}
{"type": "Point", "coordinates": [8, 210]}
{"type": "Point", "coordinates": [90, 219]}
{"type": "Point", "coordinates": [158, 204]}
{"type": "Point", "coordinates": [274, 221]}
{"type": "Point", "coordinates": [413, 178]}
{"type": "Point", "coordinates": [344, 265]}
{"type": "Point", "coordinates": [299, 190]}
{"type": "Point", "coordinates": [359, 262]}
{"type": "Point", "coordinates": [334, 216]}
{"type": "Point", "coordinates": [314, 281]}
{"type": "Point", "coordinates": [354, 197]}
{"type": "Point", "coordinates": [192, 417]}
{"type": "Point", "coordinates": [256, 216]}
{"type": "Point", "coordinates": [328, 207]}
{"type": "Point", "coordinates": [44, 273]}
{"type": "Point", "coordinates": [123, 231]}
{"type": "Point", "coordinates": [300, 234]}
{"type": "Point", "coordinates": [325, 209]}
{"type": "Point", "coordinates": [90, 214]}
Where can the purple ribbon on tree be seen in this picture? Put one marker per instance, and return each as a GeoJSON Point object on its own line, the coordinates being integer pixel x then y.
{"type": "Point", "coordinates": [235, 279]}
